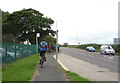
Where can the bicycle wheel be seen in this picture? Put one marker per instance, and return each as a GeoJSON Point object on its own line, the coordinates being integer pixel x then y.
{"type": "Point", "coordinates": [42, 62]}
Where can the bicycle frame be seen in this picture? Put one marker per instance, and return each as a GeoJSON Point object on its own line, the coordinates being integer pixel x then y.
{"type": "Point", "coordinates": [42, 61]}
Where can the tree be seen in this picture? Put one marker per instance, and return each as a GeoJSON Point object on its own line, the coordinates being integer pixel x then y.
{"type": "Point", "coordinates": [4, 16]}
{"type": "Point", "coordinates": [26, 23]}
{"type": "Point", "coordinates": [50, 40]}
{"type": "Point", "coordinates": [6, 37]}
{"type": "Point", "coordinates": [65, 44]}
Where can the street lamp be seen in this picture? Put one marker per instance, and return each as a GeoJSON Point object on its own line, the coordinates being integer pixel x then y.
{"type": "Point", "coordinates": [56, 44]}
{"type": "Point", "coordinates": [37, 35]}
{"type": "Point", "coordinates": [56, 41]}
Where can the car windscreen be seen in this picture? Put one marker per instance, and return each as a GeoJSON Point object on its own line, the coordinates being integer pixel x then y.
{"type": "Point", "coordinates": [109, 47]}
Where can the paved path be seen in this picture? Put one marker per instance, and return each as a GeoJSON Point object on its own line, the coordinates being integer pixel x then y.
{"type": "Point", "coordinates": [51, 71]}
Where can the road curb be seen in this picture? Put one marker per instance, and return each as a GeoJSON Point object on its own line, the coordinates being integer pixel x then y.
{"type": "Point", "coordinates": [35, 73]}
{"type": "Point", "coordinates": [63, 66]}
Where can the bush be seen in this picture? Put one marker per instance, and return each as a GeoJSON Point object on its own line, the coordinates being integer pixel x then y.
{"type": "Point", "coordinates": [65, 44]}
{"type": "Point", "coordinates": [96, 46]}
{"type": "Point", "coordinates": [116, 47]}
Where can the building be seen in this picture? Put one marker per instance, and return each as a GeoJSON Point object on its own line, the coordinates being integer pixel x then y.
{"type": "Point", "coordinates": [116, 41]}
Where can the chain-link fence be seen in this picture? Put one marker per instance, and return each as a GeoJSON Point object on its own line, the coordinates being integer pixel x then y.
{"type": "Point", "coordinates": [12, 52]}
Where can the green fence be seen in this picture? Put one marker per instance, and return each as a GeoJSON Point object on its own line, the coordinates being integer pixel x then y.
{"type": "Point", "coordinates": [12, 52]}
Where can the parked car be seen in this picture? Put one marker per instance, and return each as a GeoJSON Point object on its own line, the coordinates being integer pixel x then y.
{"type": "Point", "coordinates": [107, 49]}
{"type": "Point", "coordinates": [90, 49]}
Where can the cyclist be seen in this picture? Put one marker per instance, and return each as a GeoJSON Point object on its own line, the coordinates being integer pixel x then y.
{"type": "Point", "coordinates": [43, 48]}
{"type": "Point", "coordinates": [49, 48]}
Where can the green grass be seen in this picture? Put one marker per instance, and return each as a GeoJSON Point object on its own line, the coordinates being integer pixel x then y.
{"type": "Point", "coordinates": [97, 50]}
{"type": "Point", "coordinates": [73, 77]}
{"type": "Point", "coordinates": [20, 70]}
{"type": "Point", "coordinates": [117, 53]}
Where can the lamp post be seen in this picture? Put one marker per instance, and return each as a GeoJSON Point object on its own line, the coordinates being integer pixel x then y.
{"type": "Point", "coordinates": [57, 40]}
{"type": "Point", "coordinates": [56, 44]}
{"type": "Point", "coordinates": [37, 35]}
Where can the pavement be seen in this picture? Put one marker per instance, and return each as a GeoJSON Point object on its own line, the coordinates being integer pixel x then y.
{"type": "Point", "coordinates": [51, 71]}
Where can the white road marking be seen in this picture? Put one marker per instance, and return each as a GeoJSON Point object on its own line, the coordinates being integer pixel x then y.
{"type": "Point", "coordinates": [63, 66]}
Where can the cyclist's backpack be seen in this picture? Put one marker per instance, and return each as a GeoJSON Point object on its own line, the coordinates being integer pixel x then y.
{"type": "Point", "coordinates": [43, 45]}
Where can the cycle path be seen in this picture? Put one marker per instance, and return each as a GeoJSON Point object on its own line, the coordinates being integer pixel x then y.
{"type": "Point", "coordinates": [51, 71]}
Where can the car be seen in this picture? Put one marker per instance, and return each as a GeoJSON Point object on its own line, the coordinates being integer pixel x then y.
{"type": "Point", "coordinates": [90, 49]}
{"type": "Point", "coordinates": [107, 49]}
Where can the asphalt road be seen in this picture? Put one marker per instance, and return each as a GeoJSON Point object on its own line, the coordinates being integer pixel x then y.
{"type": "Point", "coordinates": [93, 65]}
{"type": "Point", "coordinates": [105, 61]}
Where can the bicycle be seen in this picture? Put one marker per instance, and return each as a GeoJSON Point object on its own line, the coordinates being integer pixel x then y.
{"type": "Point", "coordinates": [42, 59]}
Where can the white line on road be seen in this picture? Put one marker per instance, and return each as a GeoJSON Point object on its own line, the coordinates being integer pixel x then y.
{"type": "Point", "coordinates": [63, 66]}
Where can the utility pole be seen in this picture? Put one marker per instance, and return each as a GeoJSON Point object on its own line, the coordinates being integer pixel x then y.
{"type": "Point", "coordinates": [56, 42]}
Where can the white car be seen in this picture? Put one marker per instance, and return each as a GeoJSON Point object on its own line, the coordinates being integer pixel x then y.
{"type": "Point", "coordinates": [107, 49]}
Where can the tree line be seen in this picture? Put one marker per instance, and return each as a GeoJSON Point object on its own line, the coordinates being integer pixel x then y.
{"type": "Point", "coordinates": [23, 25]}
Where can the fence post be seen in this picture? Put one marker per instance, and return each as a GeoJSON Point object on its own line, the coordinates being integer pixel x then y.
{"type": "Point", "coordinates": [15, 52]}
{"type": "Point", "coordinates": [6, 54]}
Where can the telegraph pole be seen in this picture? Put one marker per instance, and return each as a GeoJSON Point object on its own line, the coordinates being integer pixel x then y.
{"type": "Point", "coordinates": [56, 42]}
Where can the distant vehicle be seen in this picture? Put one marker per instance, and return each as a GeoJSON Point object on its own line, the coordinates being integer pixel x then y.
{"type": "Point", "coordinates": [107, 49]}
{"type": "Point", "coordinates": [90, 49]}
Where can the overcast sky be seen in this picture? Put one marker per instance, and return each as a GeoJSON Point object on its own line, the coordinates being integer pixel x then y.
{"type": "Point", "coordinates": [78, 21]}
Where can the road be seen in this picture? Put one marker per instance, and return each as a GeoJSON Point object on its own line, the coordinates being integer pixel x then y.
{"type": "Point", "coordinates": [92, 65]}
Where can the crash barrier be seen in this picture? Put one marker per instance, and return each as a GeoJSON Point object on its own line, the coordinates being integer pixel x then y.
{"type": "Point", "coordinates": [11, 52]}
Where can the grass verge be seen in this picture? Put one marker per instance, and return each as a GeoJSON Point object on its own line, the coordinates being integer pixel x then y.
{"type": "Point", "coordinates": [20, 70]}
{"type": "Point", "coordinates": [117, 53]}
{"type": "Point", "coordinates": [73, 78]}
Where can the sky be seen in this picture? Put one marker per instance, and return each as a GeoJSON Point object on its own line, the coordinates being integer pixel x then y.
{"type": "Point", "coordinates": [78, 21]}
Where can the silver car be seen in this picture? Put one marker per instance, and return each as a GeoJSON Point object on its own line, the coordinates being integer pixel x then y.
{"type": "Point", "coordinates": [107, 49]}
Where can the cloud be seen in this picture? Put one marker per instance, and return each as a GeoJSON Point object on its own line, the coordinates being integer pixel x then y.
{"type": "Point", "coordinates": [95, 21]}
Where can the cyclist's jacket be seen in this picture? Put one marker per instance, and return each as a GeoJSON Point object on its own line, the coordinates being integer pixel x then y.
{"type": "Point", "coordinates": [43, 44]}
